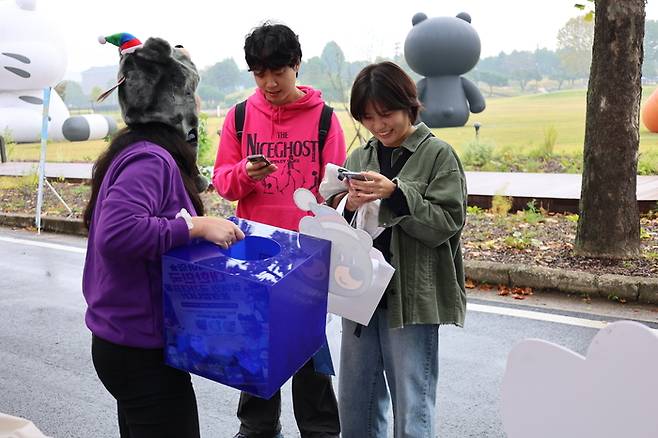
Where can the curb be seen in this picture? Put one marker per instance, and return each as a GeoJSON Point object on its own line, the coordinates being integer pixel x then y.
{"type": "Point", "coordinates": [51, 224]}
{"type": "Point", "coordinates": [642, 290]}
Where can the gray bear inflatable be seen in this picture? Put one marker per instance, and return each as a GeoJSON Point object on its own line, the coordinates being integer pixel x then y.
{"type": "Point", "coordinates": [442, 49]}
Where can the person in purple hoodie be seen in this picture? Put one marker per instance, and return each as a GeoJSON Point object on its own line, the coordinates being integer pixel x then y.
{"type": "Point", "coordinates": [145, 201]}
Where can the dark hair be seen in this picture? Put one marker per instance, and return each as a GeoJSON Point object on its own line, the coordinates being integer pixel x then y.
{"type": "Point", "coordinates": [165, 136]}
{"type": "Point", "coordinates": [272, 46]}
{"type": "Point", "coordinates": [387, 87]}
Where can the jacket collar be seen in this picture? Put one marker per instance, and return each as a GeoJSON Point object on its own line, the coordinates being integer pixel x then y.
{"type": "Point", "coordinates": [411, 143]}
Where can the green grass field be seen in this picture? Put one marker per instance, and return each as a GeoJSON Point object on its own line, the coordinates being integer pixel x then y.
{"type": "Point", "coordinates": [517, 124]}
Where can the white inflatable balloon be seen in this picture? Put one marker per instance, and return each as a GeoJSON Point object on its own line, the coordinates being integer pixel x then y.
{"type": "Point", "coordinates": [33, 57]}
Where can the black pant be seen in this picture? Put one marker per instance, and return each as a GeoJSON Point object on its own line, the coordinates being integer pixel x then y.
{"type": "Point", "coordinates": [153, 400]}
{"type": "Point", "coordinates": [314, 403]}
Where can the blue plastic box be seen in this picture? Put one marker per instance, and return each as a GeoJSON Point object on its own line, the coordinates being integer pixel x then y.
{"type": "Point", "coordinates": [250, 316]}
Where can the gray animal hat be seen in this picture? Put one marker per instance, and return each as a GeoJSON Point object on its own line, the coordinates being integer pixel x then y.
{"type": "Point", "coordinates": [156, 84]}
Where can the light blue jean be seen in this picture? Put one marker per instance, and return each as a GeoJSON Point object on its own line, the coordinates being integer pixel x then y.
{"type": "Point", "coordinates": [409, 358]}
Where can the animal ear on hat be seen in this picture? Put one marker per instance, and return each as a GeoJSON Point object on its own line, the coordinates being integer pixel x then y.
{"type": "Point", "coordinates": [155, 49]}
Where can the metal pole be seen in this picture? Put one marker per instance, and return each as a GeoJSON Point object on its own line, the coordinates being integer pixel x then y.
{"type": "Point", "coordinates": [50, 186]}
{"type": "Point", "coordinates": [42, 158]}
{"type": "Point", "coordinates": [3, 150]}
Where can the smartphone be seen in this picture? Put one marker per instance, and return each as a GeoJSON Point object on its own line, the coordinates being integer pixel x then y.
{"type": "Point", "coordinates": [354, 175]}
{"type": "Point", "coordinates": [253, 159]}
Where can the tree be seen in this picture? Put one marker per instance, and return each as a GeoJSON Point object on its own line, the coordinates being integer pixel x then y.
{"type": "Point", "coordinates": [313, 73]}
{"type": "Point", "coordinates": [574, 43]}
{"type": "Point", "coordinates": [336, 71]}
{"type": "Point", "coordinates": [609, 221]}
{"type": "Point", "coordinates": [93, 96]}
{"type": "Point", "coordinates": [72, 94]}
{"type": "Point", "coordinates": [334, 66]}
{"type": "Point", "coordinates": [522, 66]}
{"type": "Point", "coordinates": [492, 79]}
{"type": "Point", "coordinates": [61, 90]}
{"type": "Point", "coordinates": [219, 80]}
{"type": "Point", "coordinates": [548, 66]}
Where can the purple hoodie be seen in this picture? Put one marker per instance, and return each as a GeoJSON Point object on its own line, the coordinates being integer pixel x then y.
{"type": "Point", "coordinates": [132, 226]}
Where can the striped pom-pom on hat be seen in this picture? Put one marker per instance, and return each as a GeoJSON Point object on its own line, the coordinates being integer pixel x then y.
{"type": "Point", "coordinates": [126, 42]}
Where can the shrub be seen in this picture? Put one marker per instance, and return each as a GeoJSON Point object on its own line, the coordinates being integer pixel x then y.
{"type": "Point", "coordinates": [477, 153]}
{"type": "Point", "coordinates": [647, 163]}
{"type": "Point", "coordinates": [532, 214]}
{"type": "Point", "coordinates": [474, 210]}
{"type": "Point", "coordinates": [10, 144]}
{"type": "Point", "coordinates": [546, 148]}
{"type": "Point", "coordinates": [204, 152]}
{"type": "Point", "coordinates": [501, 205]}
{"type": "Point", "coordinates": [521, 240]}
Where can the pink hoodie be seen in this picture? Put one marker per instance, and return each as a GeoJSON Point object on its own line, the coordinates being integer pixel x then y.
{"type": "Point", "coordinates": [288, 136]}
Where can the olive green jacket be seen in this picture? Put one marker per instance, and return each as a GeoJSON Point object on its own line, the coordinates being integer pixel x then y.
{"type": "Point", "coordinates": [428, 285]}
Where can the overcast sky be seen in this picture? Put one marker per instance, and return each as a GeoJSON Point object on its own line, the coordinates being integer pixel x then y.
{"type": "Point", "coordinates": [214, 30]}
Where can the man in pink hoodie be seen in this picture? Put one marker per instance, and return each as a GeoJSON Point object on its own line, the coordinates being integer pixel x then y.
{"type": "Point", "coordinates": [281, 121]}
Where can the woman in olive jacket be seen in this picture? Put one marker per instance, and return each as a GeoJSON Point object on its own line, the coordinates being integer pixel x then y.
{"type": "Point", "coordinates": [422, 187]}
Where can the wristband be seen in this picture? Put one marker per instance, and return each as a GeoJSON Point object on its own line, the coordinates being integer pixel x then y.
{"type": "Point", "coordinates": [186, 217]}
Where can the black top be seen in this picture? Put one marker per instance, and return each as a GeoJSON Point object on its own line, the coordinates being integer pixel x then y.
{"type": "Point", "coordinates": [397, 202]}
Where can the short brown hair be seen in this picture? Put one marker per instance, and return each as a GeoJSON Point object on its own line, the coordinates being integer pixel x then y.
{"type": "Point", "coordinates": [387, 87]}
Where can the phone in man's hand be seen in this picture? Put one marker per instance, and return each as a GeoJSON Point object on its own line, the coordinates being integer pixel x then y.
{"type": "Point", "coordinates": [257, 158]}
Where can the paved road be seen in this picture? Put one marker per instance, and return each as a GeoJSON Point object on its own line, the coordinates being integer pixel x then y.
{"type": "Point", "coordinates": [46, 373]}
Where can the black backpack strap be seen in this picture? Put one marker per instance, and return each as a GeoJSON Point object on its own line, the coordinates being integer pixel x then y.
{"type": "Point", "coordinates": [325, 125]}
{"type": "Point", "coordinates": [239, 119]}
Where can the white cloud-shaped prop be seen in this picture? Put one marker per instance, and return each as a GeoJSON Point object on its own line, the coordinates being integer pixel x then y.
{"type": "Point", "coordinates": [11, 426]}
{"type": "Point", "coordinates": [551, 392]}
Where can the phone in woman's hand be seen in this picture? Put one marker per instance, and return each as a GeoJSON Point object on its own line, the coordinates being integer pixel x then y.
{"type": "Point", "coordinates": [354, 175]}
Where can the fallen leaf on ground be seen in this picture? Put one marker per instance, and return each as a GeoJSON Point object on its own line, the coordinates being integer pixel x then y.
{"type": "Point", "coordinates": [503, 290]}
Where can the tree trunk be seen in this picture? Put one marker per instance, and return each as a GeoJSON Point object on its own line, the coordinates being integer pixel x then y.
{"type": "Point", "coordinates": [609, 222]}
{"type": "Point", "coordinates": [522, 84]}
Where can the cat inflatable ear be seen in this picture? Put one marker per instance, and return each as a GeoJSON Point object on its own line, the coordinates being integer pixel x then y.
{"type": "Point", "coordinates": [306, 201]}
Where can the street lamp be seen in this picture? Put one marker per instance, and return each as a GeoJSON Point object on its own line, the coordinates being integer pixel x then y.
{"type": "Point", "coordinates": [477, 126]}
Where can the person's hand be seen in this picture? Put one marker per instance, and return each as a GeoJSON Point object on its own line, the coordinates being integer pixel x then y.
{"type": "Point", "coordinates": [216, 230]}
{"type": "Point", "coordinates": [354, 199]}
{"type": "Point", "coordinates": [259, 170]}
{"type": "Point", "coordinates": [377, 186]}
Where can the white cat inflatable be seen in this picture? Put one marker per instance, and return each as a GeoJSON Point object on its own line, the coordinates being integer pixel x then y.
{"type": "Point", "coordinates": [33, 57]}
